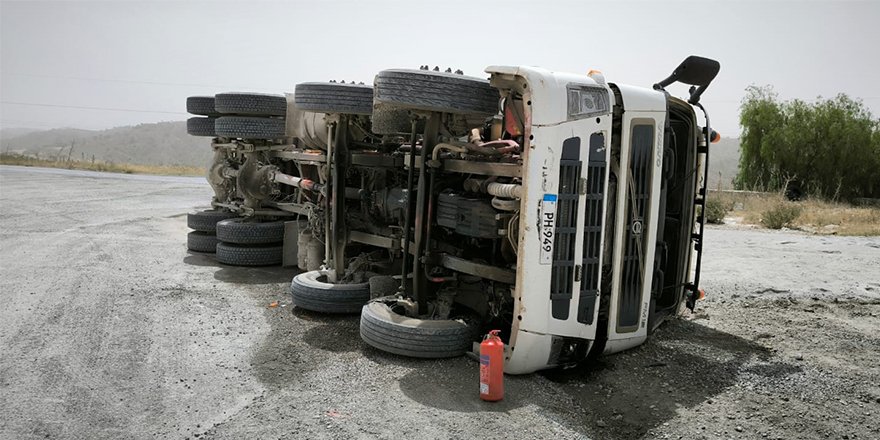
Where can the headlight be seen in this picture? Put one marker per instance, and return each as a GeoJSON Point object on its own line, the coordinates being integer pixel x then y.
{"type": "Point", "coordinates": [586, 101]}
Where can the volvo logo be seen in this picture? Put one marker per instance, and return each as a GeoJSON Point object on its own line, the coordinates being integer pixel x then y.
{"type": "Point", "coordinates": [636, 227]}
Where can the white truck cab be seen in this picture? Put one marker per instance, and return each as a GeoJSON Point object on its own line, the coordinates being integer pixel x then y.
{"type": "Point", "coordinates": [580, 130]}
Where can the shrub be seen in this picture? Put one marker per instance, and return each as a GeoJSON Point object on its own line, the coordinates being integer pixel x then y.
{"type": "Point", "coordinates": [783, 214]}
{"type": "Point", "coordinates": [716, 210]}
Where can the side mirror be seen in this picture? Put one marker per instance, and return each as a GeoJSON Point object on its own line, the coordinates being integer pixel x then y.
{"type": "Point", "coordinates": [696, 71]}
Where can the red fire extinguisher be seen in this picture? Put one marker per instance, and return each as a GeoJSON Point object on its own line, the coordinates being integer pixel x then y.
{"type": "Point", "coordinates": [492, 368]}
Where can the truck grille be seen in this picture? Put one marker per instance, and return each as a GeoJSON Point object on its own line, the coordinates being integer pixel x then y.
{"type": "Point", "coordinates": [638, 193]}
{"type": "Point", "coordinates": [562, 275]}
{"type": "Point", "coordinates": [593, 220]}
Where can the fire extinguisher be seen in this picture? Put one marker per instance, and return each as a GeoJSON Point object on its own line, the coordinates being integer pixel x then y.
{"type": "Point", "coordinates": [492, 368]}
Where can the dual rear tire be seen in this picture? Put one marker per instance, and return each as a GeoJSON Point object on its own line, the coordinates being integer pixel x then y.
{"type": "Point", "coordinates": [235, 241]}
{"type": "Point", "coordinates": [237, 115]}
{"type": "Point", "coordinates": [244, 243]}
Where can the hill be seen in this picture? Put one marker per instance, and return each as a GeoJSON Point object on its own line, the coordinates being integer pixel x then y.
{"type": "Point", "coordinates": [723, 163]}
{"type": "Point", "coordinates": [164, 143]}
{"type": "Point", "coordinates": [167, 143]}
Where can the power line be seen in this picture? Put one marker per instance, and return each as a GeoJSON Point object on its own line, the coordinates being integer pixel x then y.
{"type": "Point", "coordinates": [125, 81]}
{"type": "Point", "coordinates": [92, 108]}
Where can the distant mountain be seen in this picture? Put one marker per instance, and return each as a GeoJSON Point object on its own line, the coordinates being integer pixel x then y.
{"type": "Point", "coordinates": [723, 163]}
{"type": "Point", "coordinates": [167, 143]}
{"type": "Point", "coordinates": [164, 143]}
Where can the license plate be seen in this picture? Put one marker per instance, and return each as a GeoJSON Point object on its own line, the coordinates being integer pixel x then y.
{"type": "Point", "coordinates": [548, 227]}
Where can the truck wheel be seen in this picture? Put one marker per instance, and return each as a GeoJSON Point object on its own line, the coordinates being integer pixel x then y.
{"type": "Point", "coordinates": [201, 105]}
{"type": "Point", "coordinates": [249, 128]}
{"type": "Point", "coordinates": [201, 241]}
{"type": "Point", "coordinates": [385, 327]}
{"type": "Point", "coordinates": [311, 291]}
{"type": "Point", "coordinates": [334, 98]}
{"type": "Point", "coordinates": [436, 91]}
{"type": "Point", "coordinates": [250, 104]}
{"type": "Point", "coordinates": [200, 126]}
{"type": "Point", "coordinates": [206, 221]}
{"type": "Point", "coordinates": [237, 230]}
{"type": "Point", "coordinates": [249, 255]}
{"type": "Point", "coordinates": [394, 120]}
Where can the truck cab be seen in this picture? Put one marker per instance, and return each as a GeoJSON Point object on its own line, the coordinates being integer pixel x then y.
{"type": "Point", "coordinates": [608, 224]}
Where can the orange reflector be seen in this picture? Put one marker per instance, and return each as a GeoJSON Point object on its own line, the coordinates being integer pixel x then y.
{"type": "Point", "coordinates": [702, 294]}
{"type": "Point", "coordinates": [716, 136]}
{"type": "Point", "coordinates": [597, 76]}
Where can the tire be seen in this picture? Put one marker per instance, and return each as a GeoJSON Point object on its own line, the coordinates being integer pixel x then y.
{"type": "Point", "coordinates": [388, 331]}
{"type": "Point", "coordinates": [334, 98]}
{"type": "Point", "coordinates": [436, 91]}
{"type": "Point", "coordinates": [201, 242]}
{"type": "Point", "coordinates": [311, 291]}
{"type": "Point", "coordinates": [250, 104]}
{"type": "Point", "coordinates": [201, 105]}
{"type": "Point", "coordinates": [200, 126]}
{"type": "Point", "coordinates": [249, 255]}
{"type": "Point", "coordinates": [206, 221]}
{"type": "Point", "coordinates": [394, 120]}
{"type": "Point", "coordinates": [236, 230]}
{"type": "Point", "coordinates": [249, 128]}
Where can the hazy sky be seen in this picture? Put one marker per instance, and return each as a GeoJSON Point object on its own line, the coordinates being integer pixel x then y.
{"type": "Point", "coordinates": [149, 56]}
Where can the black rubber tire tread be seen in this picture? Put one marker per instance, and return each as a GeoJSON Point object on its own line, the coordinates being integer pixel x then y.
{"type": "Point", "coordinates": [236, 230]}
{"type": "Point", "coordinates": [250, 255]}
{"type": "Point", "coordinates": [249, 128]}
{"type": "Point", "coordinates": [436, 91]}
{"type": "Point", "coordinates": [200, 126]}
{"type": "Point", "coordinates": [201, 105]}
{"type": "Point", "coordinates": [310, 293]}
{"type": "Point", "coordinates": [206, 221]}
{"type": "Point", "coordinates": [388, 331]}
{"type": "Point", "coordinates": [199, 241]}
{"type": "Point", "coordinates": [250, 104]}
{"type": "Point", "coordinates": [334, 98]}
{"type": "Point", "coordinates": [393, 120]}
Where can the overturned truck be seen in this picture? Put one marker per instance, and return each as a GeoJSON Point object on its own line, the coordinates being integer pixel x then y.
{"type": "Point", "coordinates": [562, 209]}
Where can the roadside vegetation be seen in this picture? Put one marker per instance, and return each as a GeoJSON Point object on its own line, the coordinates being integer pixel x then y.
{"type": "Point", "coordinates": [811, 166]}
{"type": "Point", "coordinates": [812, 214]}
{"type": "Point", "coordinates": [829, 148]}
{"type": "Point", "coordinates": [98, 165]}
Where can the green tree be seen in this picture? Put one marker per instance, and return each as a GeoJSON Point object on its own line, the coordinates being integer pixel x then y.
{"type": "Point", "coordinates": [830, 148]}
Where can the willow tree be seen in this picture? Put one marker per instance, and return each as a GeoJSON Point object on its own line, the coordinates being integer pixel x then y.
{"type": "Point", "coordinates": [829, 148]}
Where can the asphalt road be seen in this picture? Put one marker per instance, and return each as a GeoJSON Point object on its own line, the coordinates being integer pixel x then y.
{"type": "Point", "coordinates": [110, 328]}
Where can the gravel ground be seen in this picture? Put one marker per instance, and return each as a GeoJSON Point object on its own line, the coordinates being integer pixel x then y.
{"type": "Point", "coordinates": [110, 328]}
